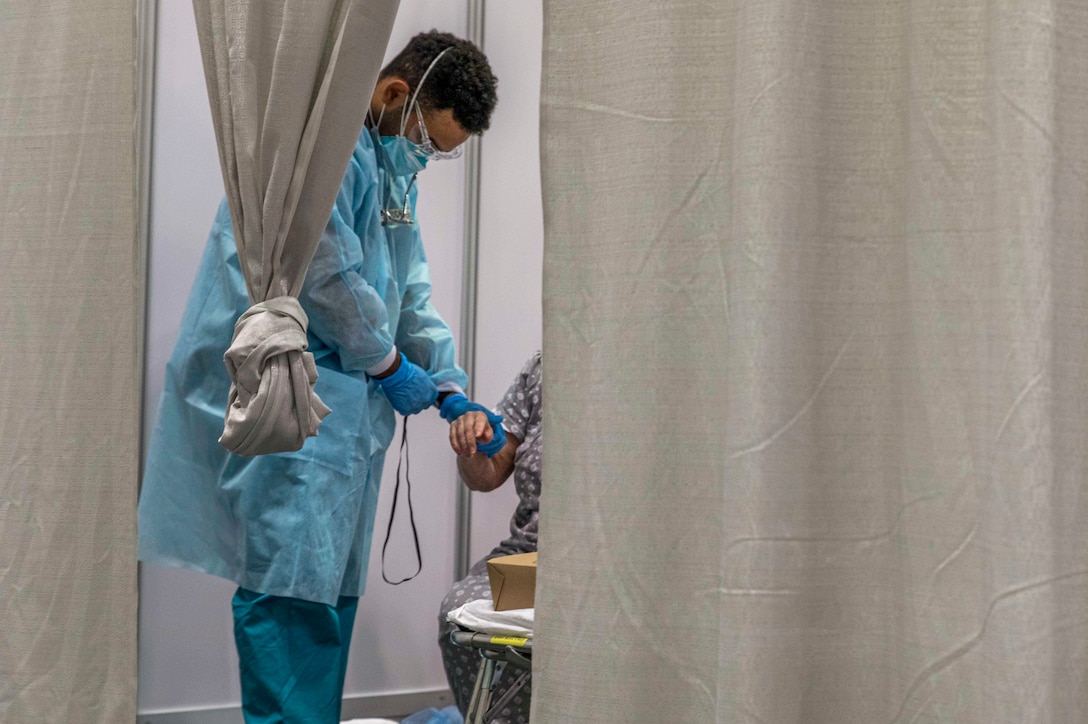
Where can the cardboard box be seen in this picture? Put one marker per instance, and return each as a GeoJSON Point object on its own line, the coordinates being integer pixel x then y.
{"type": "Point", "coordinates": [513, 581]}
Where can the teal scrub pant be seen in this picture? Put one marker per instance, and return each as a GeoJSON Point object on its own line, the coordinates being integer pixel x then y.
{"type": "Point", "coordinates": [293, 656]}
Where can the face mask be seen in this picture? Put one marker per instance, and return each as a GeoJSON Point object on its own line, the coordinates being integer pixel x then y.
{"type": "Point", "coordinates": [399, 156]}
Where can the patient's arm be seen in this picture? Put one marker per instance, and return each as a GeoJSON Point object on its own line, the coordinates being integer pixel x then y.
{"type": "Point", "coordinates": [480, 472]}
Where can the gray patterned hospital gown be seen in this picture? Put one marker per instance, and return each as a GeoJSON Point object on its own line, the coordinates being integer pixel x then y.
{"type": "Point", "coordinates": [520, 408]}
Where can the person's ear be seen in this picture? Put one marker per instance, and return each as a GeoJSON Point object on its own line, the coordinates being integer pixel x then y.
{"type": "Point", "coordinates": [394, 92]}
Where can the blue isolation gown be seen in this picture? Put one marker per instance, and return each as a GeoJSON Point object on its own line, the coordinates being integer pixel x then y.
{"type": "Point", "coordinates": [295, 524]}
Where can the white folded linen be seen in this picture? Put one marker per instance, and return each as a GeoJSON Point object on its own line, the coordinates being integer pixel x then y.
{"type": "Point", "coordinates": [480, 615]}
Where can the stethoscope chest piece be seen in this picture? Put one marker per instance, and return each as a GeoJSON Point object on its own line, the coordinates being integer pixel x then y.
{"type": "Point", "coordinates": [400, 216]}
{"type": "Point", "coordinates": [397, 217]}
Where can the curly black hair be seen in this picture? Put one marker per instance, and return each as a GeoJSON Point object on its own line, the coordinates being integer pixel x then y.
{"type": "Point", "coordinates": [462, 80]}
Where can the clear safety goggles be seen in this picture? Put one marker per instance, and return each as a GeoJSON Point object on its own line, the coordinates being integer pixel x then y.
{"type": "Point", "coordinates": [419, 136]}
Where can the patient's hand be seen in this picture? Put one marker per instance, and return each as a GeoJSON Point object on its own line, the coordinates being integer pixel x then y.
{"type": "Point", "coordinates": [480, 472]}
{"type": "Point", "coordinates": [466, 430]}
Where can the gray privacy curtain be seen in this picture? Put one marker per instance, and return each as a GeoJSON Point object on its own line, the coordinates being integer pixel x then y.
{"type": "Point", "coordinates": [71, 329]}
{"type": "Point", "coordinates": [289, 83]}
{"type": "Point", "coordinates": [816, 356]}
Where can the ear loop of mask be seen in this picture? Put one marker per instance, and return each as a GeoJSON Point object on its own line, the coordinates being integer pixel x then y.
{"type": "Point", "coordinates": [375, 124]}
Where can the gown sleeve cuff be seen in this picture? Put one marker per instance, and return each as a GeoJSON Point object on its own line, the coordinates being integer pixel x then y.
{"type": "Point", "coordinates": [384, 364]}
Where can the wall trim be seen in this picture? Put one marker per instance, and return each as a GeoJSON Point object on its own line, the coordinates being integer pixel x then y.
{"type": "Point", "coordinates": [462, 560]}
{"type": "Point", "coordinates": [355, 707]}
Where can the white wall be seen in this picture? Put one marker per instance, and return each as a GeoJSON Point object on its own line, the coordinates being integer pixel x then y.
{"type": "Point", "coordinates": [187, 658]}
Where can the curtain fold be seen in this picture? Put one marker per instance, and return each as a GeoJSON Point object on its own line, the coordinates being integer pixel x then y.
{"type": "Point", "coordinates": [816, 323]}
{"type": "Point", "coordinates": [71, 329]}
{"type": "Point", "coordinates": [289, 84]}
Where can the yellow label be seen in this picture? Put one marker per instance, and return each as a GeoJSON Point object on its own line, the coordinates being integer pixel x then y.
{"type": "Point", "coordinates": [508, 641]}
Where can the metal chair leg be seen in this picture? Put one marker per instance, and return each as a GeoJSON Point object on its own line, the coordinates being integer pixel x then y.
{"type": "Point", "coordinates": [481, 692]}
{"type": "Point", "coordinates": [475, 692]}
{"type": "Point", "coordinates": [494, 671]}
{"type": "Point", "coordinates": [509, 695]}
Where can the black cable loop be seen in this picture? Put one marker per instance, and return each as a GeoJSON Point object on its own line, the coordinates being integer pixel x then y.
{"type": "Point", "coordinates": [403, 458]}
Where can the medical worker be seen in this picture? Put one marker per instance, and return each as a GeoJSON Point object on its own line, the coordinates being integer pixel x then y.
{"type": "Point", "coordinates": [293, 530]}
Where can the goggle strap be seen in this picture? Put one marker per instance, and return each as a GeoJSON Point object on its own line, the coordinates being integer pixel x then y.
{"type": "Point", "coordinates": [415, 94]}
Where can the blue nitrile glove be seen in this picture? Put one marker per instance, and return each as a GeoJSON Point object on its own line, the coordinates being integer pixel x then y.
{"type": "Point", "coordinates": [497, 440]}
{"type": "Point", "coordinates": [409, 389]}
{"type": "Point", "coordinates": [457, 404]}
